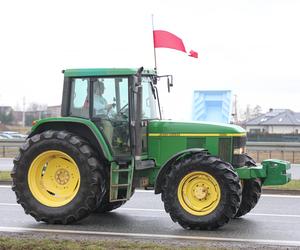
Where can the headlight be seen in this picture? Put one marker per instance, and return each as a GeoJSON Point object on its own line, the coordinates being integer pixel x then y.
{"type": "Point", "coordinates": [239, 151]}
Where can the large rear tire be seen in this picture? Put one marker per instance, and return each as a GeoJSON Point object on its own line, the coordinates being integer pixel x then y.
{"type": "Point", "coordinates": [201, 192]}
{"type": "Point", "coordinates": [106, 206]}
{"type": "Point", "coordinates": [57, 177]}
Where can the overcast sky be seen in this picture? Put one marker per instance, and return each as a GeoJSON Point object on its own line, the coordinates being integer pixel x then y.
{"type": "Point", "coordinates": [249, 47]}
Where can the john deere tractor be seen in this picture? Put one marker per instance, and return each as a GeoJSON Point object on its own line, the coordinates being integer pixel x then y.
{"type": "Point", "coordinates": [110, 139]}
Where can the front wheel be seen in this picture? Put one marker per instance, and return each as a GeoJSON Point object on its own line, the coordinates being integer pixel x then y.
{"type": "Point", "coordinates": [250, 196]}
{"type": "Point", "coordinates": [57, 177]}
{"type": "Point", "coordinates": [201, 192]}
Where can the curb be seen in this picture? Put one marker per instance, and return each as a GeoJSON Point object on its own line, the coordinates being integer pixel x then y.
{"type": "Point", "coordinates": [279, 191]}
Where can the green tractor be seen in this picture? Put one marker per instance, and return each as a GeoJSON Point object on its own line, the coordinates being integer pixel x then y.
{"type": "Point", "coordinates": [111, 139]}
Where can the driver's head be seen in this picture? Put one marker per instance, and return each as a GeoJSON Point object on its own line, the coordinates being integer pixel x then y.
{"type": "Point", "coordinates": [99, 87]}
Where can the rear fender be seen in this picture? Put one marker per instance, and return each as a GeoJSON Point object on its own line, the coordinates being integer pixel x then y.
{"type": "Point", "coordinates": [81, 127]}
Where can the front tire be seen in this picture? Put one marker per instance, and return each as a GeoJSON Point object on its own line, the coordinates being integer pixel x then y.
{"type": "Point", "coordinates": [250, 196]}
{"type": "Point", "coordinates": [57, 177]}
{"type": "Point", "coordinates": [201, 192]}
{"type": "Point", "coordinates": [251, 191]}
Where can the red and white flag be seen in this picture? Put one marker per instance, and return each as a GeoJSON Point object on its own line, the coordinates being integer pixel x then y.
{"type": "Point", "coordinates": [193, 54]}
{"type": "Point", "coordinates": [165, 39]}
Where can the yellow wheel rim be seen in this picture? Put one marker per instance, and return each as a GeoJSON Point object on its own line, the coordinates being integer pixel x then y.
{"type": "Point", "coordinates": [53, 178]}
{"type": "Point", "coordinates": [199, 193]}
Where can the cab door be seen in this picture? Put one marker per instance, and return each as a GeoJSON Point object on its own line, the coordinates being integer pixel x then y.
{"type": "Point", "coordinates": [110, 112]}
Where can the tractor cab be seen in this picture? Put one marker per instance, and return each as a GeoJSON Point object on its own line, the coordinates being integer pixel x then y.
{"type": "Point", "coordinates": [109, 98]}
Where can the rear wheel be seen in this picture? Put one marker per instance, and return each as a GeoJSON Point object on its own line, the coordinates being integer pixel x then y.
{"type": "Point", "coordinates": [106, 206]}
{"type": "Point", "coordinates": [201, 192]}
{"type": "Point", "coordinates": [57, 177]}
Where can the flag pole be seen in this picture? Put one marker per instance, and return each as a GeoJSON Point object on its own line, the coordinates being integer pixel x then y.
{"type": "Point", "coordinates": [155, 63]}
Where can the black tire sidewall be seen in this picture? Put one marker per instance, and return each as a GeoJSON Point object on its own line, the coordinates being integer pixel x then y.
{"type": "Point", "coordinates": [230, 191]}
{"type": "Point", "coordinates": [250, 196]}
{"type": "Point", "coordinates": [84, 193]}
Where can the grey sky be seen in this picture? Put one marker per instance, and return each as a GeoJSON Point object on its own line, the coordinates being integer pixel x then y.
{"type": "Point", "coordinates": [249, 47]}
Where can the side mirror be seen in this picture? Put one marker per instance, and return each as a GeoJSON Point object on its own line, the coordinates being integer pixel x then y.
{"type": "Point", "coordinates": [137, 78]}
{"type": "Point", "coordinates": [170, 82]}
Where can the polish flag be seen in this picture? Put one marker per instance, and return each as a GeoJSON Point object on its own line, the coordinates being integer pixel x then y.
{"type": "Point", "coordinates": [165, 39]}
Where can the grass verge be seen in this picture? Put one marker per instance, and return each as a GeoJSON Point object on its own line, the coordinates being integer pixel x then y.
{"type": "Point", "coordinates": [41, 244]}
{"type": "Point", "coordinates": [5, 176]}
{"type": "Point", "coordinates": [292, 185]}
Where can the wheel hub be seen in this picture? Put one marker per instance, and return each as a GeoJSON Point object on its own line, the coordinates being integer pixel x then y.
{"type": "Point", "coordinates": [200, 192]}
{"type": "Point", "coordinates": [62, 176]}
{"type": "Point", "coordinates": [54, 178]}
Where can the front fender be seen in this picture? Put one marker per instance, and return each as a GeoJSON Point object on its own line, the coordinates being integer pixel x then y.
{"type": "Point", "coordinates": [164, 170]}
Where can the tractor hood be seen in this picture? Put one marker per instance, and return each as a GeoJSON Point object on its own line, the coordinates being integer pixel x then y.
{"type": "Point", "coordinates": [168, 127]}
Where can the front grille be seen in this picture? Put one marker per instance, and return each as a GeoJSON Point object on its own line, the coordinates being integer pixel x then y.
{"type": "Point", "coordinates": [225, 150]}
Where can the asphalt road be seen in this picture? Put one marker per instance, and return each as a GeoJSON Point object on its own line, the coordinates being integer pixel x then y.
{"type": "Point", "coordinates": [6, 164]}
{"type": "Point", "coordinates": [274, 222]}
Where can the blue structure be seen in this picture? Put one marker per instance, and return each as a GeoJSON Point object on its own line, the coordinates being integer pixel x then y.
{"type": "Point", "coordinates": [212, 105]}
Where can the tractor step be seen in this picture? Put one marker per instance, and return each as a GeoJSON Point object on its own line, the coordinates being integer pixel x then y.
{"type": "Point", "coordinates": [120, 186]}
{"type": "Point", "coordinates": [120, 181]}
{"type": "Point", "coordinates": [121, 170]}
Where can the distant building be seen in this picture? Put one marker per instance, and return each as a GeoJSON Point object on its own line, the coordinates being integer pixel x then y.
{"type": "Point", "coordinates": [6, 109]}
{"type": "Point", "coordinates": [17, 116]}
{"type": "Point", "coordinates": [53, 111]}
{"type": "Point", "coordinates": [276, 121]}
{"type": "Point", "coordinates": [6, 114]}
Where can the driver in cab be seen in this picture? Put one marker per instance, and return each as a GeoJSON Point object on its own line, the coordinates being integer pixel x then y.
{"type": "Point", "coordinates": [100, 104]}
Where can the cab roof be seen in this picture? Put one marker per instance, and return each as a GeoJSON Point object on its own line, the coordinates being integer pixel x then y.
{"type": "Point", "coordinates": [105, 72]}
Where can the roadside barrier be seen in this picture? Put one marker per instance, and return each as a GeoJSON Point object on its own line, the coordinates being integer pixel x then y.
{"type": "Point", "coordinates": [10, 147]}
{"type": "Point", "coordinates": [289, 151]}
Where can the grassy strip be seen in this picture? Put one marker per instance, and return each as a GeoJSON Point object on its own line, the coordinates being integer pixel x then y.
{"type": "Point", "coordinates": [5, 176]}
{"type": "Point", "coordinates": [292, 185]}
{"type": "Point", "coordinates": [41, 244]}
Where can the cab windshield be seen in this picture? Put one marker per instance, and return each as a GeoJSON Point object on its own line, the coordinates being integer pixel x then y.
{"type": "Point", "coordinates": [150, 107]}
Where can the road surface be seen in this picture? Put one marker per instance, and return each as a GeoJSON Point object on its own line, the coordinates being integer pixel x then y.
{"type": "Point", "coordinates": [274, 222]}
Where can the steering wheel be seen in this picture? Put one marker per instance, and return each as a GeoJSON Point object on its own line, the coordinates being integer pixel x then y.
{"type": "Point", "coordinates": [121, 111]}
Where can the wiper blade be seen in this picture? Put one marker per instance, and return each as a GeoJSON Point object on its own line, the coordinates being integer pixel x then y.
{"type": "Point", "coordinates": [153, 89]}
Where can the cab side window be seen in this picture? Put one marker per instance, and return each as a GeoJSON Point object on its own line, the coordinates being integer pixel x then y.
{"type": "Point", "coordinates": [80, 98]}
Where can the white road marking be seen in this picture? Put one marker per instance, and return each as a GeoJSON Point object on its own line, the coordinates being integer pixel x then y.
{"type": "Point", "coordinates": [144, 191]}
{"type": "Point", "coordinates": [5, 186]}
{"type": "Point", "coordinates": [9, 204]}
{"type": "Point", "coordinates": [163, 211]}
{"type": "Point", "coordinates": [140, 235]}
{"type": "Point", "coordinates": [275, 215]}
{"type": "Point", "coordinates": [263, 195]}
{"type": "Point", "coordinates": [281, 196]}
{"type": "Point", "coordinates": [141, 209]}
